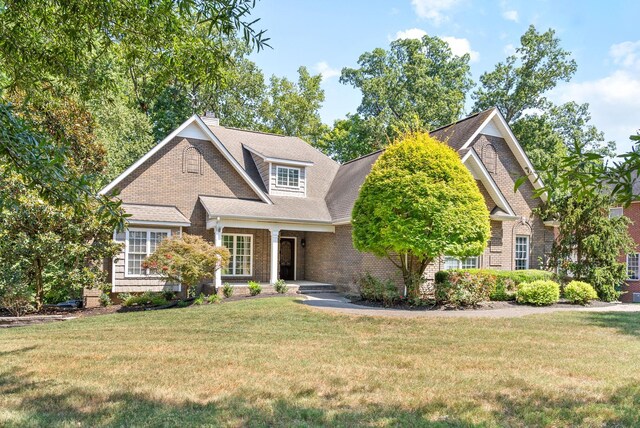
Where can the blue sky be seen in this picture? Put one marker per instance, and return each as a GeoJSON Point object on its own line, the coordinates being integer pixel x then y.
{"type": "Point", "coordinates": [327, 35]}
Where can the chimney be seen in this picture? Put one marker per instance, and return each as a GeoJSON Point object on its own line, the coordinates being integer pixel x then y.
{"type": "Point", "coordinates": [210, 119]}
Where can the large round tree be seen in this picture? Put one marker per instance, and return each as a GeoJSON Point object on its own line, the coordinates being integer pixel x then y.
{"type": "Point", "coordinates": [420, 202]}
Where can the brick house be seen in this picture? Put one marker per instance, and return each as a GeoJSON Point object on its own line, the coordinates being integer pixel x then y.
{"type": "Point", "coordinates": [632, 284]}
{"type": "Point", "coordinates": [283, 208]}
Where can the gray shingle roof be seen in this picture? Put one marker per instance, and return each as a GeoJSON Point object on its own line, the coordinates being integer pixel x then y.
{"type": "Point", "coordinates": [458, 133]}
{"type": "Point", "coordinates": [283, 209]}
{"type": "Point", "coordinates": [155, 213]}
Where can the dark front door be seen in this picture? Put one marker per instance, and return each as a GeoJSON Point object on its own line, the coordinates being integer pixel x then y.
{"type": "Point", "coordinates": [287, 259]}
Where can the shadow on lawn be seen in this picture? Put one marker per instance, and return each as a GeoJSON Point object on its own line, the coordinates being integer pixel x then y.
{"type": "Point", "coordinates": [625, 322]}
{"type": "Point", "coordinates": [36, 404]}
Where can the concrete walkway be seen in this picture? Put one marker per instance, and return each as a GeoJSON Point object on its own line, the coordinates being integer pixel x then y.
{"type": "Point", "coordinates": [341, 305]}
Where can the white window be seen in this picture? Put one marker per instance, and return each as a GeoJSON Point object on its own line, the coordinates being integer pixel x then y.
{"type": "Point", "coordinates": [241, 249]}
{"type": "Point", "coordinates": [288, 177]}
{"type": "Point", "coordinates": [465, 263]}
{"type": "Point", "coordinates": [140, 244]}
{"type": "Point", "coordinates": [522, 252]}
{"type": "Point", "coordinates": [615, 212]}
{"type": "Point", "coordinates": [633, 266]}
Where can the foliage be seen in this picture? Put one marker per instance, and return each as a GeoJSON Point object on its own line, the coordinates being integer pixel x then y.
{"type": "Point", "coordinates": [199, 300]}
{"type": "Point", "coordinates": [520, 82]}
{"type": "Point", "coordinates": [416, 85]}
{"type": "Point", "coordinates": [17, 298]}
{"type": "Point", "coordinates": [376, 290]}
{"type": "Point", "coordinates": [589, 243]}
{"type": "Point", "coordinates": [105, 299]}
{"type": "Point", "coordinates": [227, 290]}
{"type": "Point", "coordinates": [168, 294]}
{"type": "Point", "coordinates": [213, 298]}
{"type": "Point", "coordinates": [148, 298]}
{"type": "Point", "coordinates": [464, 289]}
{"type": "Point", "coordinates": [187, 259]}
{"type": "Point", "coordinates": [419, 202]}
{"type": "Point", "coordinates": [579, 292]}
{"type": "Point", "coordinates": [280, 286]}
{"type": "Point", "coordinates": [539, 293]}
{"type": "Point", "coordinates": [254, 288]}
{"type": "Point", "coordinates": [348, 139]}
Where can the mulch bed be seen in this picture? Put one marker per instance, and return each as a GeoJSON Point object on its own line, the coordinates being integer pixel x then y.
{"type": "Point", "coordinates": [482, 306]}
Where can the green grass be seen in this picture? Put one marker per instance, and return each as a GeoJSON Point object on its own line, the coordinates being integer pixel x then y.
{"type": "Point", "coordinates": [275, 362]}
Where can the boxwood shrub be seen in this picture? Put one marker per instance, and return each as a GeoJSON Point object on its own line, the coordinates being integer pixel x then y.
{"type": "Point", "coordinates": [579, 292]}
{"type": "Point", "coordinates": [502, 284]}
{"type": "Point", "coordinates": [540, 293]}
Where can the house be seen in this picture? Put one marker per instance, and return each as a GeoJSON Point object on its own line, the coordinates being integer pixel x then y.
{"type": "Point", "coordinates": [283, 208]}
{"type": "Point", "coordinates": [632, 284]}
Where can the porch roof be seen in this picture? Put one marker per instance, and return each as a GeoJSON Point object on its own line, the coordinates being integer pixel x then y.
{"type": "Point", "coordinates": [165, 215]}
{"type": "Point", "coordinates": [305, 210]}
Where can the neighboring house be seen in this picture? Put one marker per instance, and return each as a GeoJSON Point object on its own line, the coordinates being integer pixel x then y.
{"type": "Point", "coordinates": [632, 284]}
{"type": "Point", "coordinates": [283, 208]}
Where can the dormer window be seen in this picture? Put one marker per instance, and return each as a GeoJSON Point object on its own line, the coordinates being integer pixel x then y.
{"type": "Point", "coordinates": [288, 177]}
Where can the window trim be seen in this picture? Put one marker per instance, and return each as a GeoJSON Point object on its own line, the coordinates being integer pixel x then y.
{"type": "Point", "coordinates": [459, 262]}
{"type": "Point", "coordinates": [616, 208]}
{"type": "Point", "coordinates": [126, 250]}
{"type": "Point", "coordinates": [638, 269]}
{"type": "Point", "coordinates": [288, 186]}
{"type": "Point", "coordinates": [234, 275]}
{"type": "Point", "coordinates": [515, 252]}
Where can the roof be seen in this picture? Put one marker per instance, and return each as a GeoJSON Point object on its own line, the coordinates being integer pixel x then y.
{"type": "Point", "coordinates": [160, 214]}
{"type": "Point", "coordinates": [458, 133]}
{"type": "Point", "coordinates": [284, 208]}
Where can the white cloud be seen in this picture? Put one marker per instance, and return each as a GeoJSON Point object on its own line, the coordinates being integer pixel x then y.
{"type": "Point", "coordinates": [461, 46]}
{"type": "Point", "coordinates": [614, 104]}
{"type": "Point", "coordinates": [327, 72]}
{"type": "Point", "coordinates": [433, 9]}
{"type": "Point", "coordinates": [626, 54]}
{"type": "Point", "coordinates": [411, 33]}
{"type": "Point", "coordinates": [509, 50]}
{"type": "Point", "coordinates": [511, 15]}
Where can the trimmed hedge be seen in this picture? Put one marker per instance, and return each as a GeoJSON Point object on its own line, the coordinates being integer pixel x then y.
{"type": "Point", "coordinates": [539, 293]}
{"type": "Point", "coordinates": [580, 292]}
{"type": "Point", "coordinates": [502, 285]}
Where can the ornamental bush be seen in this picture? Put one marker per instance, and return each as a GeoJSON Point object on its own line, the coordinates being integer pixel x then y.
{"type": "Point", "coordinates": [280, 286]}
{"type": "Point", "coordinates": [254, 288]}
{"type": "Point", "coordinates": [227, 290]}
{"type": "Point", "coordinates": [539, 293]}
{"type": "Point", "coordinates": [580, 292]}
{"type": "Point", "coordinates": [419, 202]}
{"type": "Point", "coordinates": [464, 289]}
{"type": "Point", "coordinates": [376, 290]}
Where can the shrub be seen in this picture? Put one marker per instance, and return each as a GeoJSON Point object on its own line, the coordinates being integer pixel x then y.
{"type": "Point", "coordinates": [580, 292]}
{"type": "Point", "coordinates": [168, 294]}
{"type": "Point", "coordinates": [145, 299]}
{"type": "Point", "coordinates": [182, 304]}
{"type": "Point", "coordinates": [254, 288]}
{"type": "Point", "coordinates": [105, 299]}
{"type": "Point", "coordinates": [227, 290]}
{"type": "Point", "coordinates": [199, 300]}
{"type": "Point", "coordinates": [18, 300]}
{"type": "Point", "coordinates": [464, 289]}
{"type": "Point", "coordinates": [377, 290]}
{"type": "Point", "coordinates": [539, 293]}
{"type": "Point", "coordinates": [213, 298]}
{"type": "Point", "coordinates": [280, 286]}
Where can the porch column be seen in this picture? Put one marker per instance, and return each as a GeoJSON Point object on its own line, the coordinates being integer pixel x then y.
{"type": "Point", "coordinates": [218, 243]}
{"type": "Point", "coordinates": [275, 243]}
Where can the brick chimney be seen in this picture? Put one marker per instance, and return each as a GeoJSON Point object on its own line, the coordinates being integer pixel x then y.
{"type": "Point", "coordinates": [210, 119]}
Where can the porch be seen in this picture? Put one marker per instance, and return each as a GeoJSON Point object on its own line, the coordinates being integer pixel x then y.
{"type": "Point", "coordinates": [293, 287]}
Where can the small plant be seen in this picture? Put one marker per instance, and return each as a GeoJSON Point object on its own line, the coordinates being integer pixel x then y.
{"type": "Point", "coordinates": [580, 292]}
{"type": "Point", "coordinates": [213, 298]}
{"type": "Point", "coordinates": [105, 299]}
{"type": "Point", "coordinates": [168, 294]}
{"type": "Point", "coordinates": [254, 288]}
{"type": "Point", "coordinates": [182, 304]}
{"type": "Point", "coordinates": [280, 286]}
{"type": "Point", "coordinates": [145, 299]}
{"type": "Point", "coordinates": [227, 290]}
{"type": "Point", "coordinates": [539, 293]}
{"type": "Point", "coordinates": [199, 300]}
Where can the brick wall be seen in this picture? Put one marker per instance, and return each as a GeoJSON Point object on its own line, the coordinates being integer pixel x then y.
{"type": "Point", "coordinates": [633, 213]}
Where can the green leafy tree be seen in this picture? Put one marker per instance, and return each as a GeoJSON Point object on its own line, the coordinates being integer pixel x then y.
{"type": "Point", "coordinates": [348, 139]}
{"type": "Point", "coordinates": [521, 81]}
{"type": "Point", "coordinates": [187, 260]}
{"type": "Point", "coordinates": [414, 78]}
{"type": "Point", "coordinates": [418, 203]}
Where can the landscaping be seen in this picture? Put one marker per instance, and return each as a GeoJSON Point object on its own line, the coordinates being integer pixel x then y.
{"type": "Point", "coordinates": [274, 362]}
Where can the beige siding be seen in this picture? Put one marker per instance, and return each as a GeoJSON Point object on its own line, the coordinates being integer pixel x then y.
{"type": "Point", "coordinates": [276, 190]}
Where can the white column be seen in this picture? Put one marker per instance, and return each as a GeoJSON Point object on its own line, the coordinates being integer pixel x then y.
{"type": "Point", "coordinates": [218, 243]}
{"type": "Point", "coordinates": [275, 254]}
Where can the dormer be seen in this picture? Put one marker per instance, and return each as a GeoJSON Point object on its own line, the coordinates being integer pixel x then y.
{"type": "Point", "coordinates": [281, 176]}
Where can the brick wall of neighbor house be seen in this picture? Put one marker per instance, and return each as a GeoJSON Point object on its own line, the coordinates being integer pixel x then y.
{"type": "Point", "coordinates": [633, 213]}
{"type": "Point", "coordinates": [162, 180]}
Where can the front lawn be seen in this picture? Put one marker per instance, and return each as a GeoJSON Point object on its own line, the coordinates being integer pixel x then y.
{"type": "Point", "coordinates": [275, 362]}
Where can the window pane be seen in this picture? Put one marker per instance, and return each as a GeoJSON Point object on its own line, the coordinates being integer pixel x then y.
{"type": "Point", "coordinates": [451, 263]}
{"type": "Point", "coordinates": [633, 266]}
{"type": "Point", "coordinates": [615, 212]}
{"type": "Point", "coordinates": [293, 177]}
{"type": "Point", "coordinates": [137, 252]}
{"type": "Point", "coordinates": [240, 248]}
{"type": "Point", "coordinates": [522, 253]}
{"type": "Point", "coordinates": [470, 263]}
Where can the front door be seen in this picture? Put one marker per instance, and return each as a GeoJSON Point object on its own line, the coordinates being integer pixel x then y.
{"type": "Point", "coordinates": [287, 259]}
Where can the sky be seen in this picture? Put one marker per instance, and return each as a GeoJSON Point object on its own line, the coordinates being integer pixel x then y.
{"type": "Point", "coordinates": [327, 35]}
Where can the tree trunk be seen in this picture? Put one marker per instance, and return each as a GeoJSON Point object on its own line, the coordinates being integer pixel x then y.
{"type": "Point", "coordinates": [39, 284]}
